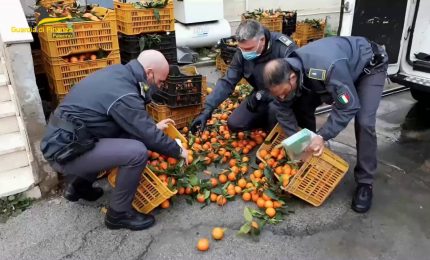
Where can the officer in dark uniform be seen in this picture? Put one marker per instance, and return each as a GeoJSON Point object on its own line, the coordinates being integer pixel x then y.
{"type": "Point", "coordinates": [257, 46]}
{"type": "Point", "coordinates": [102, 124]}
{"type": "Point", "coordinates": [348, 72]}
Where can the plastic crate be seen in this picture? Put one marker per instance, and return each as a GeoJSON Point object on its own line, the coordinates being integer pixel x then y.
{"type": "Point", "coordinates": [289, 23]}
{"type": "Point", "coordinates": [48, 3]}
{"type": "Point", "coordinates": [169, 54]}
{"type": "Point", "coordinates": [223, 67]}
{"type": "Point", "coordinates": [62, 75]}
{"type": "Point", "coordinates": [180, 82]}
{"type": "Point", "coordinates": [177, 101]}
{"type": "Point", "coordinates": [150, 193]}
{"type": "Point", "coordinates": [133, 21]}
{"type": "Point", "coordinates": [132, 43]}
{"type": "Point", "coordinates": [273, 24]}
{"type": "Point", "coordinates": [83, 37]}
{"type": "Point", "coordinates": [306, 33]}
{"type": "Point", "coordinates": [181, 116]}
{"type": "Point", "coordinates": [227, 51]}
{"type": "Point", "coordinates": [317, 177]}
{"type": "Point", "coordinates": [37, 62]}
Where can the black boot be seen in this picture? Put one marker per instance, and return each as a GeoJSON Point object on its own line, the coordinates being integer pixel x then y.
{"type": "Point", "coordinates": [362, 200]}
{"type": "Point", "coordinates": [79, 188]}
{"type": "Point", "coordinates": [130, 220]}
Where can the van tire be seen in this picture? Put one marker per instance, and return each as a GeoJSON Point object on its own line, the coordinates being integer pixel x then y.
{"type": "Point", "coordinates": [419, 95]}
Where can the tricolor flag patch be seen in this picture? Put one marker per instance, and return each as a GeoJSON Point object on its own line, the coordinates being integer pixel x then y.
{"type": "Point", "coordinates": [344, 98]}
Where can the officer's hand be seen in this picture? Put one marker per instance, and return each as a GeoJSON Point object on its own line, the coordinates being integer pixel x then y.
{"type": "Point", "coordinates": [316, 146]}
{"type": "Point", "coordinates": [163, 124]}
{"type": "Point", "coordinates": [199, 123]}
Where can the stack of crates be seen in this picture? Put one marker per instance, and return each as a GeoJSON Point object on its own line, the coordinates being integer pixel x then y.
{"type": "Point", "coordinates": [145, 28]}
{"type": "Point", "coordinates": [307, 32]}
{"type": "Point", "coordinates": [181, 97]}
{"type": "Point", "coordinates": [71, 51]}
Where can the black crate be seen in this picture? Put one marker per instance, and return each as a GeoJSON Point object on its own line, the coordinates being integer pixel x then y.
{"type": "Point", "coordinates": [176, 101]}
{"type": "Point", "coordinates": [227, 51]}
{"type": "Point", "coordinates": [170, 55]}
{"type": "Point", "coordinates": [289, 23]}
{"type": "Point", "coordinates": [181, 84]}
{"type": "Point", "coordinates": [155, 41]}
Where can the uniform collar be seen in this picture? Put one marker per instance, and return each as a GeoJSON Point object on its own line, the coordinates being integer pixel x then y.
{"type": "Point", "coordinates": [268, 44]}
{"type": "Point", "coordinates": [137, 70]}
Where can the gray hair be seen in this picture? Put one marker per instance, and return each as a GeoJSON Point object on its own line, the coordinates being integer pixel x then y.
{"type": "Point", "coordinates": [248, 30]}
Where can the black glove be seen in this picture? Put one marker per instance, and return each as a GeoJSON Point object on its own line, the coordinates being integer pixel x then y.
{"type": "Point", "coordinates": [256, 99]}
{"type": "Point", "coordinates": [200, 122]}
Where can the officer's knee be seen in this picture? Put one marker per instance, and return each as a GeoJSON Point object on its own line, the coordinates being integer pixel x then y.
{"type": "Point", "coordinates": [366, 122]}
{"type": "Point", "coordinates": [138, 153]}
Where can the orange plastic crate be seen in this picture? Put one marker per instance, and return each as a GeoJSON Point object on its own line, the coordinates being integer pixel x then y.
{"type": "Point", "coordinates": [182, 116]}
{"type": "Point", "coordinates": [317, 177]}
{"type": "Point", "coordinates": [62, 75]}
{"type": "Point", "coordinates": [273, 24]}
{"type": "Point", "coordinates": [150, 193]}
{"type": "Point", "coordinates": [132, 21]}
{"type": "Point", "coordinates": [48, 3]}
{"type": "Point", "coordinates": [306, 33]}
{"type": "Point", "coordinates": [63, 39]}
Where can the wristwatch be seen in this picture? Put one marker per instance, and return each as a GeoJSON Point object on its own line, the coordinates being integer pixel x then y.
{"type": "Point", "coordinates": [258, 95]}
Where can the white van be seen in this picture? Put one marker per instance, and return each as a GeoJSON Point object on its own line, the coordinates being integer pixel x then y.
{"type": "Point", "coordinates": [403, 27]}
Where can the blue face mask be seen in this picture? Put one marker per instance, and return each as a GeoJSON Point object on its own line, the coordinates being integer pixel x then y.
{"type": "Point", "coordinates": [250, 55]}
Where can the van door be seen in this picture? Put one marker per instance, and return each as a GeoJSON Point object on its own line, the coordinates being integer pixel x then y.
{"type": "Point", "coordinates": [401, 27]}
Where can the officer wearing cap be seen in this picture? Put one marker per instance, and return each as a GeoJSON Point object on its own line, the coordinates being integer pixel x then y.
{"type": "Point", "coordinates": [101, 124]}
{"type": "Point", "coordinates": [257, 46]}
{"type": "Point", "coordinates": [347, 72]}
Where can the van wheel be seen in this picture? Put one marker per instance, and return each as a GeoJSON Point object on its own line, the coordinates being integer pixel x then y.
{"type": "Point", "coordinates": [420, 96]}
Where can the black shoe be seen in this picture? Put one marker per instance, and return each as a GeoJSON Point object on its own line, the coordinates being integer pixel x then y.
{"type": "Point", "coordinates": [129, 220]}
{"type": "Point", "coordinates": [82, 189]}
{"type": "Point", "coordinates": [362, 200]}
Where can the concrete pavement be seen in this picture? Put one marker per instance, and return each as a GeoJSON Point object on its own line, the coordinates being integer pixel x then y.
{"type": "Point", "coordinates": [397, 227]}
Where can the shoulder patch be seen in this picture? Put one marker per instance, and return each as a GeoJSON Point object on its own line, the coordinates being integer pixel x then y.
{"type": "Point", "coordinates": [317, 74]}
{"type": "Point", "coordinates": [285, 40]}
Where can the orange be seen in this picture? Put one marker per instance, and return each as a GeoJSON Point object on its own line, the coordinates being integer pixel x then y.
{"type": "Point", "coordinates": [260, 202]}
{"type": "Point", "coordinates": [205, 147]}
{"type": "Point", "coordinates": [201, 198]}
{"type": "Point", "coordinates": [207, 160]}
{"type": "Point", "coordinates": [155, 155]}
{"type": "Point", "coordinates": [164, 166]}
{"type": "Point", "coordinates": [172, 161]}
{"type": "Point", "coordinates": [240, 135]}
{"type": "Point", "coordinates": [265, 197]}
{"type": "Point", "coordinates": [165, 204]}
{"type": "Point", "coordinates": [163, 177]}
{"type": "Point", "coordinates": [245, 150]}
{"type": "Point", "coordinates": [263, 153]}
{"type": "Point", "coordinates": [213, 197]}
{"type": "Point", "coordinates": [222, 178]}
{"type": "Point", "coordinates": [286, 169]}
{"type": "Point", "coordinates": [249, 185]}
{"type": "Point", "coordinates": [255, 197]}
{"type": "Point", "coordinates": [275, 152]}
{"type": "Point", "coordinates": [231, 192]}
{"type": "Point", "coordinates": [246, 196]}
{"type": "Point", "coordinates": [244, 169]}
{"type": "Point", "coordinates": [190, 159]}
{"type": "Point", "coordinates": [242, 183]}
{"type": "Point", "coordinates": [196, 189]}
{"type": "Point", "coordinates": [231, 176]}
{"type": "Point", "coordinates": [271, 162]}
{"type": "Point", "coordinates": [258, 174]}
{"type": "Point", "coordinates": [268, 204]}
{"type": "Point", "coordinates": [285, 179]}
{"type": "Point", "coordinates": [188, 190]}
{"type": "Point", "coordinates": [227, 154]}
{"type": "Point", "coordinates": [181, 190]}
{"type": "Point", "coordinates": [293, 171]}
{"type": "Point", "coordinates": [261, 166]}
{"type": "Point", "coordinates": [224, 116]}
{"type": "Point", "coordinates": [245, 159]}
{"type": "Point", "coordinates": [185, 130]}
{"type": "Point", "coordinates": [254, 225]}
{"type": "Point", "coordinates": [232, 162]}
{"type": "Point", "coordinates": [277, 204]}
{"type": "Point", "coordinates": [235, 169]}
{"type": "Point", "coordinates": [217, 233]}
{"type": "Point", "coordinates": [279, 170]}
{"type": "Point", "coordinates": [171, 180]}
{"type": "Point", "coordinates": [238, 190]}
{"type": "Point", "coordinates": [271, 212]}
{"type": "Point", "coordinates": [221, 200]}
{"type": "Point", "coordinates": [203, 244]}
{"type": "Point", "coordinates": [214, 182]}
